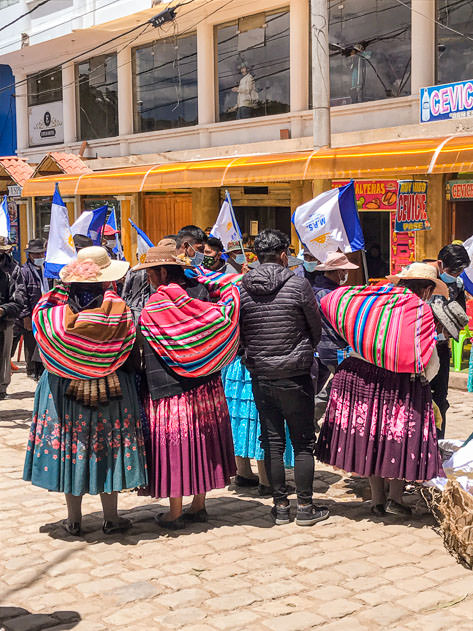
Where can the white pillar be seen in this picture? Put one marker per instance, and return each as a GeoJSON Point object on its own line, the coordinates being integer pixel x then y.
{"type": "Point", "coordinates": [205, 73]}
{"type": "Point", "coordinates": [299, 55]}
{"type": "Point", "coordinates": [69, 103]}
{"type": "Point", "coordinates": [21, 104]}
{"type": "Point", "coordinates": [320, 73]}
{"type": "Point", "coordinates": [125, 97]}
{"type": "Point", "coordinates": [423, 52]}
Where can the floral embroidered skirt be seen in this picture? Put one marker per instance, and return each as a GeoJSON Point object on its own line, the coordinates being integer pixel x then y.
{"type": "Point", "coordinates": [244, 416]}
{"type": "Point", "coordinates": [77, 449]}
{"type": "Point", "coordinates": [191, 442]}
{"type": "Point", "coordinates": [379, 423]}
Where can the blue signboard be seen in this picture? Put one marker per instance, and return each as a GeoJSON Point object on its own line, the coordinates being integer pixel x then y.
{"type": "Point", "coordinates": [444, 102]}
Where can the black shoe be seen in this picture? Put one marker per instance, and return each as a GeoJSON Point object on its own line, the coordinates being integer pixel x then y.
{"type": "Point", "coordinates": [3, 395]}
{"type": "Point", "coordinates": [265, 491]}
{"type": "Point", "coordinates": [241, 481]}
{"type": "Point", "coordinates": [171, 524]}
{"type": "Point", "coordinates": [111, 527]}
{"type": "Point", "coordinates": [378, 510]}
{"type": "Point", "coordinates": [72, 527]}
{"type": "Point", "coordinates": [280, 514]}
{"type": "Point", "coordinates": [394, 508]}
{"type": "Point", "coordinates": [200, 517]}
{"type": "Point", "coordinates": [311, 514]}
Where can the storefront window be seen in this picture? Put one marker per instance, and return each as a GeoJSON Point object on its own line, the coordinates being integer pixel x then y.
{"type": "Point", "coordinates": [253, 66]}
{"type": "Point", "coordinates": [454, 50]}
{"type": "Point", "coordinates": [165, 82]}
{"type": "Point", "coordinates": [45, 87]}
{"type": "Point", "coordinates": [370, 50]}
{"type": "Point", "coordinates": [97, 97]}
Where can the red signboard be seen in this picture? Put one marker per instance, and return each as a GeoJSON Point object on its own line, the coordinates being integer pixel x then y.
{"type": "Point", "coordinates": [459, 190]}
{"type": "Point", "coordinates": [373, 194]}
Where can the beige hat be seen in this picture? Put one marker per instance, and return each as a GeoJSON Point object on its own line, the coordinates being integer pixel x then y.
{"type": "Point", "coordinates": [5, 244]}
{"type": "Point", "coordinates": [334, 261]}
{"type": "Point", "coordinates": [93, 265]}
{"type": "Point", "coordinates": [421, 271]}
{"type": "Point", "coordinates": [162, 254]}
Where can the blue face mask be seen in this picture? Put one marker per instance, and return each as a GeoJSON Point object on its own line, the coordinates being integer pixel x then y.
{"type": "Point", "coordinates": [197, 259]}
{"type": "Point", "coordinates": [310, 266]}
{"type": "Point", "coordinates": [240, 259]}
{"type": "Point", "coordinates": [447, 278]}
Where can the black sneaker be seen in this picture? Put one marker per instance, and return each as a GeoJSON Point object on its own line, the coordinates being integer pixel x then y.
{"type": "Point", "coordinates": [311, 514]}
{"type": "Point", "coordinates": [246, 482]}
{"type": "Point", "coordinates": [280, 514]}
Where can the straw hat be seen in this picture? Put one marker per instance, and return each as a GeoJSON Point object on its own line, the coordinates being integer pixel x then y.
{"type": "Point", "coordinates": [162, 254]}
{"type": "Point", "coordinates": [93, 265]}
{"type": "Point", "coordinates": [5, 244]}
{"type": "Point", "coordinates": [421, 271]}
{"type": "Point", "coordinates": [335, 261]}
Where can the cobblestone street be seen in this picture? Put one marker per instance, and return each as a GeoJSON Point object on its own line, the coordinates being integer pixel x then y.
{"type": "Point", "coordinates": [349, 573]}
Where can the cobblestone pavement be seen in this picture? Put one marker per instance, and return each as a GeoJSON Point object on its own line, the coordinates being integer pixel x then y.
{"type": "Point", "coordinates": [351, 572]}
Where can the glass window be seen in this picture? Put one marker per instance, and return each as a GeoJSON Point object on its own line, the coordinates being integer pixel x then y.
{"type": "Point", "coordinates": [97, 97]}
{"type": "Point", "coordinates": [370, 50]}
{"type": "Point", "coordinates": [454, 51]}
{"type": "Point", "coordinates": [7, 3]}
{"type": "Point", "coordinates": [253, 66]}
{"type": "Point", "coordinates": [45, 87]}
{"type": "Point", "coordinates": [165, 76]}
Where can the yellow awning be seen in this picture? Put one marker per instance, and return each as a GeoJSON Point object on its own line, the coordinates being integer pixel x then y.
{"type": "Point", "coordinates": [396, 159]}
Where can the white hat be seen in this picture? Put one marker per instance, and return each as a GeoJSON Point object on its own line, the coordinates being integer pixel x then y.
{"type": "Point", "coordinates": [93, 265]}
{"type": "Point", "coordinates": [421, 271]}
{"type": "Point", "coordinates": [334, 261]}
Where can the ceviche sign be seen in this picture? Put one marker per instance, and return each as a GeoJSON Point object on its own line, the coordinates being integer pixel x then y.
{"type": "Point", "coordinates": [448, 101]}
{"type": "Point", "coordinates": [411, 212]}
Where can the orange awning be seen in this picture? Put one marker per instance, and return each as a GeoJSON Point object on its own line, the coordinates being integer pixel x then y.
{"type": "Point", "coordinates": [395, 159]}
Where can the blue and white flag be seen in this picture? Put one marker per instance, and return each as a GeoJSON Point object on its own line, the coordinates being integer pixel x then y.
{"type": "Point", "coordinates": [143, 242]}
{"type": "Point", "coordinates": [4, 219]}
{"type": "Point", "coordinates": [91, 223]}
{"type": "Point", "coordinates": [226, 227]}
{"type": "Point", "coordinates": [117, 250]}
{"type": "Point", "coordinates": [61, 249]}
{"type": "Point", "coordinates": [467, 275]}
{"type": "Point", "coordinates": [330, 222]}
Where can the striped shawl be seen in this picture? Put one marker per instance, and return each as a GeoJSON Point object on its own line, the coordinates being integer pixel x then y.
{"type": "Point", "coordinates": [90, 344]}
{"type": "Point", "coordinates": [194, 338]}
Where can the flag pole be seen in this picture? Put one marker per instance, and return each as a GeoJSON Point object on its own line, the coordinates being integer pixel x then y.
{"type": "Point", "coordinates": [229, 200]}
{"type": "Point", "coordinates": [365, 266]}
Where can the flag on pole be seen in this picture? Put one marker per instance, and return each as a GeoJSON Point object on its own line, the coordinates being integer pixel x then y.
{"type": "Point", "coordinates": [91, 223]}
{"type": "Point", "coordinates": [112, 222]}
{"type": "Point", "coordinates": [330, 222]}
{"type": "Point", "coordinates": [4, 219]}
{"type": "Point", "coordinates": [226, 227]}
{"type": "Point", "coordinates": [467, 275]}
{"type": "Point", "coordinates": [61, 250]}
{"type": "Point", "coordinates": [143, 242]}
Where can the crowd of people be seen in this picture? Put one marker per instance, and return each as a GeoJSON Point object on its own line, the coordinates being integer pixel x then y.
{"type": "Point", "coordinates": [169, 377]}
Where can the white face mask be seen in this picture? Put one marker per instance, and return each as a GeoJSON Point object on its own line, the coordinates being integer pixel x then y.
{"type": "Point", "coordinates": [39, 262]}
{"type": "Point", "coordinates": [344, 278]}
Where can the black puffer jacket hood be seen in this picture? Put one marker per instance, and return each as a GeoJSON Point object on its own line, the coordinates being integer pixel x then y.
{"type": "Point", "coordinates": [266, 279]}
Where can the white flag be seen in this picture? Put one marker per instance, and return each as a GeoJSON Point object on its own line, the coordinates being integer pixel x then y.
{"type": "Point", "coordinates": [4, 219]}
{"type": "Point", "coordinates": [61, 249]}
{"type": "Point", "coordinates": [226, 227]}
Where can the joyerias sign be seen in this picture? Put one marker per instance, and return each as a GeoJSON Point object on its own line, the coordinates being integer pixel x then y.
{"type": "Point", "coordinates": [411, 212]}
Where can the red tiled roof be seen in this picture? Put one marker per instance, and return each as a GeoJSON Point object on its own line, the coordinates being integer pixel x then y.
{"type": "Point", "coordinates": [65, 163]}
{"type": "Point", "coordinates": [17, 168]}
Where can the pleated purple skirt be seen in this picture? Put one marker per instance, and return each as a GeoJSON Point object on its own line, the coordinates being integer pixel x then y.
{"type": "Point", "coordinates": [191, 442]}
{"type": "Point", "coordinates": [380, 423]}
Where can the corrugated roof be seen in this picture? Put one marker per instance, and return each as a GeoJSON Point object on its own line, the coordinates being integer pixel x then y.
{"type": "Point", "coordinates": [61, 162]}
{"type": "Point", "coordinates": [18, 169]}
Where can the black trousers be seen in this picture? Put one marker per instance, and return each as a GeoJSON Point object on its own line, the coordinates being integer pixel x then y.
{"type": "Point", "coordinates": [439, 384]}
{"type": "Point", "coordinates": [292, 400]}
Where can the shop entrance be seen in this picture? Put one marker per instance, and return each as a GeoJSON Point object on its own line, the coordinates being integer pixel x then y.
{"type": "Point", "coordinates": [376, 226]}
{"type": "Point", "coordinates": [462, 227]}
{"type": "Point", "coordinates": [253, 219]}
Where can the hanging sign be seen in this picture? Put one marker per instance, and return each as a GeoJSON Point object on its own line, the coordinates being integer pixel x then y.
{"type": "Point", "coordinates": [373, 194]}
{"type": "Point", "coordinates": [46, 124]}
{"type": "Point", "coordinates": [448, 101]}
{"type": "Point", "coordinates": [459, 190]}
{"type": "Point", "coordinates": [411, 212]}
{"type": "Point", "coordinates": [15, 191]}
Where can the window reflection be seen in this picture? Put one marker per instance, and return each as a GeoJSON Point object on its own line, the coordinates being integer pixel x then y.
{"type": "Point", "coordinates": [45, 87]}
{"type": "Point", "coordinates": [454, 51]}
{"type": "Point", "coordinates": [165, 75]}
{"type": "Point", "coordinates": [97, 97]}
{"type": "Point", "coordinates": [370, 50]}
{"type": "Point", "coordinates": [253, 66]}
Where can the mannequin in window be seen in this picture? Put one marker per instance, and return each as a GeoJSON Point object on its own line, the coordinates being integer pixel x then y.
{"type": "Point", "coordinates": [247, 99]}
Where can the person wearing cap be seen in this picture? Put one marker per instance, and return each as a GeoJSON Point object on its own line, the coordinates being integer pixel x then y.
{"type": "Point", "coordinates": [86, 435]}
{"type": "Point", "coordinates": [12, 303]}
{"type": "Point", "coordinates": [36, 285]}
{"type": "Point", "coordinates": [191, 438]}
{"type": "Point", "coordinates": [379, 423]}
{"type": "Point", "coordinates": [334, 273]}
{"type": "Point", "coordinates": [109, 240]}
{"type": "Point", "coordinates": [237, 261]}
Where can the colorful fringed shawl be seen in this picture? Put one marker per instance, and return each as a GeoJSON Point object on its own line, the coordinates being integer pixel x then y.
{"type": "Point", "coordinates": [388, 326]}
{"type": "Point", "coordinates": [90, 344]}
{"type": "Point", "coordinates": [194, 338]}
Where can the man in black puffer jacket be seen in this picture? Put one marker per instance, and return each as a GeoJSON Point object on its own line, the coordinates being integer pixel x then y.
{"type": "Point", "coordinates": [280, 330]}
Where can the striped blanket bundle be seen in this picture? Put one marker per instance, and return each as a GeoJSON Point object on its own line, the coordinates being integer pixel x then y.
{"type": "Point", "coordinates": [388, 326]}
{"type": "Point", "coordinates": [91, 344]}
{"type": "Point", "coordinates": [195, 338]}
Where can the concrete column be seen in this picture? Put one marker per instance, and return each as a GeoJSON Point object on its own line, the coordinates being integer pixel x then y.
{"type": "Point", "coordinates": [206, 73]}
{"type": "Point", "coordinates": [423, 50]}
{"type": "Point", "coordinates": [21, 103]}
{"type": "Point", "coordinates": [320, 73]}
{"type": "Point", "coordinates": [69, 103]}
{"type": "Point", "coordinates": [299, 55]}
{"type": "Point", "coordinates": [125, 96]}
{"type": "Point", "coordinates": [301, 192]}
{"type": "Point", "coordinates": [205, 206]}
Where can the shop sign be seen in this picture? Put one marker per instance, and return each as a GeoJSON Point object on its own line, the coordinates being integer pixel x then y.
{"type": "Point", "coordinates": [448, 101]}
{"type": "Point", "coordinates": [15, 191]}
{"type": "Point", "coordinates": [46, 124]}
{"type": "Point", "coordinates": [459, 190]}
{"type": "Point", "coordinates": [373, 194]}
{"type": "Point", "coordinates": [411, 211]}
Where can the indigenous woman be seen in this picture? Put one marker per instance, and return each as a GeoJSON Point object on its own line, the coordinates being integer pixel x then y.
{"type": "Point", "coordinates": [86, 434]}
{"type": "Point", "coordinates": [188, 339]}
{"type": "Point", "coordinates": [380, 422]}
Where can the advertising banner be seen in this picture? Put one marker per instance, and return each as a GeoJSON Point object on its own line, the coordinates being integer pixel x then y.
{"type": "Point", "coordinates": [373, 194]}
{"type": "Point", "coordinates": [46, 124]}
{"type": "Point", "coordinates": [411, 212]}
{"type": "Point", "coordinates": [448, 101]}
{"type": "Point", "coordinates": [459, 190]}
